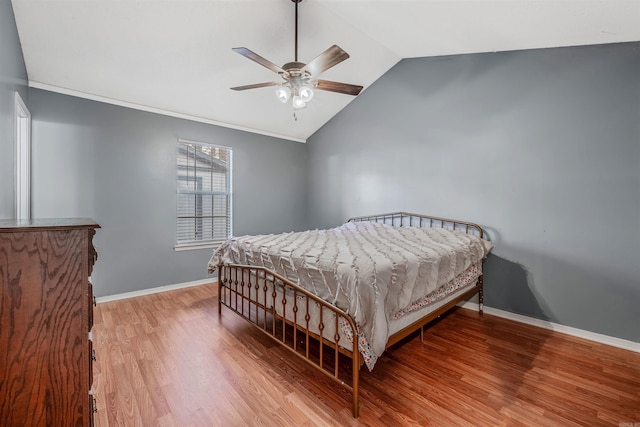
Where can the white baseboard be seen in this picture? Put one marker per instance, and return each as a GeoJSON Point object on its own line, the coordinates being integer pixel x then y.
{"type": "Point", "coordinates": [154, 290]}
{"type": "Point", "coordinates": [580, 333]}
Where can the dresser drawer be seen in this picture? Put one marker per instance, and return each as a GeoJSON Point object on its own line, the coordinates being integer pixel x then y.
{"type": "Point", "coordinates": [93, 408]}
{"type": "Point", "coordinates": [90, 305]}
{"type": "Point", "coordinates": [92, 358]}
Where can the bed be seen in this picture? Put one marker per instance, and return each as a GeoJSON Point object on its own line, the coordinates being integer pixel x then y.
{"type": "Point", "coordinates": [338, 298]}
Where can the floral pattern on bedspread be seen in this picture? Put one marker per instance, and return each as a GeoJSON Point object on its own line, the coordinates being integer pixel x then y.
{"type": "Point", "coordinates": [467, 277]}
{"type": "Point", "coordinates": [370, 270]}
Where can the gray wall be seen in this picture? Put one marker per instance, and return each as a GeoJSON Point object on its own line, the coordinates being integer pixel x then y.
{"type": "Point", "coordinates": [117, 165]}
{"type": "Point", "coordinates": [540, 147]}
{"type": "Point", "coordinates": [13, 77]}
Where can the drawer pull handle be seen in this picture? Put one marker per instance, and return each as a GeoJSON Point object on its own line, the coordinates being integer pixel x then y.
{"type": "Point", "coordinates": [95, 406]}
{"type": "Point", "coordinates": [93, 355]}
{"type": "Point", "coordinates": [94, 301]}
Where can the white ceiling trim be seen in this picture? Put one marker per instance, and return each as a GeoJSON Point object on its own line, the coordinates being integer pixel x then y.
{"type": "Point", "coordinates": [148, 109]}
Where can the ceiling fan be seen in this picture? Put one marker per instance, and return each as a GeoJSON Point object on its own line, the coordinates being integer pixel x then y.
{"type": "Point", "coordinates": [300, 79]}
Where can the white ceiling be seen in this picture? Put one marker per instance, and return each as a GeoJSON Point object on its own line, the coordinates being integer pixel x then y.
{"type": "Point", "coordinates": [175, 57]}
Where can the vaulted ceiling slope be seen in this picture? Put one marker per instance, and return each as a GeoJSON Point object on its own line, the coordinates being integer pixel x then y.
{"type": "Point", "coordinates": [175, 57]}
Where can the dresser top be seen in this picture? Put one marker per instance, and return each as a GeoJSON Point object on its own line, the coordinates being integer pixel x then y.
{"type": "Point", "coordinates": [12, 225]}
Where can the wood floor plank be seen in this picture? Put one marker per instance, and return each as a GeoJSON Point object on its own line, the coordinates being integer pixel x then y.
{"type": "Point", "coordinates": [169, 360]}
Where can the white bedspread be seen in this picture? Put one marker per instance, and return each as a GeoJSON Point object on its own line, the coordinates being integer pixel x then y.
{"type": "Point", "coordinates": [369, 270]}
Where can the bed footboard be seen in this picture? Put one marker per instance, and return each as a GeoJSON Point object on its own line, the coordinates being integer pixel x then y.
{"type": "Point", "coordinates": [284, 311]}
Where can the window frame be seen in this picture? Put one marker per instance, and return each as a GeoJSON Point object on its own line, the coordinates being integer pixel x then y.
{"type": "Point", "coordinates": [204, 243]}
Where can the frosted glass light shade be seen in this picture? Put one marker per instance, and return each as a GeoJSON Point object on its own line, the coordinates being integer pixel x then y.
{"type": "Point", "coordinates": [306, 93]}
{"type": "Point", "coordinates": [283, 93]}
{"type": "Point", "coordinates": [298, 103]}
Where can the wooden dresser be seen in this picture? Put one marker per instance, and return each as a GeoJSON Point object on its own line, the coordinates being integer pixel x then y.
{"type": "Point", "coordinates": [46, 315]}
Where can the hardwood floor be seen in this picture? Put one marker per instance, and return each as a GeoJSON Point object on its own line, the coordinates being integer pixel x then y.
{"type": "Point", "coordinates": [168, 360]}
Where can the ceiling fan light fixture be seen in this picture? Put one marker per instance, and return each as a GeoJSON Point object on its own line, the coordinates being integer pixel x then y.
{"type": "Point", "coordinates": [283, 93]}
{"type": "Point", "coordinates": [306, 93]}
{"type": "Point", "coordinates": [298, 103]}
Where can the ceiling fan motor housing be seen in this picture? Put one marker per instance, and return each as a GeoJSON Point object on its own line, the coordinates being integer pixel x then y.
{"type": "Point", "coordinates": [296, 76]}
{"type": "Point", "coordinates": [290, 67]}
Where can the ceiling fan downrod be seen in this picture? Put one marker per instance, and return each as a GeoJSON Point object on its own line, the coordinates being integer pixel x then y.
{"type": "Point", "coordinates": [296, 38]}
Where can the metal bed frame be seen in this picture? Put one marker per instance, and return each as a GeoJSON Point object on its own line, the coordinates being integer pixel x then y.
{"type": "Point", "coordinates": [261, 297]}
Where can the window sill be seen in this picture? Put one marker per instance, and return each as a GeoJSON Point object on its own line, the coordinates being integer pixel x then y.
{"type": "Point", "coordinates": [194, 246]}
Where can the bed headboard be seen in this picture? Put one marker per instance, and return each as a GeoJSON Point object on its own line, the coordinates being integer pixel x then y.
{"type": "Point", "coordinates": [404, 219]}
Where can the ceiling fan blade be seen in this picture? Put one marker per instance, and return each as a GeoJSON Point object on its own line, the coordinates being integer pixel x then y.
{"type": "Point", "coordinates": [330, 86]}
{"type": "Point", "coordinates": [255, 86]}
{"type": "Point", "coordinates": [327, 59]}
{"type": "Point", "coordinates": [259, 59]}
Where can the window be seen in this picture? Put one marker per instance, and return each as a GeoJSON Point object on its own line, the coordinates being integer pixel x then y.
{"type": "Point", "coordinates": [23, 159]}
{"type": "Point", "coordinates": [204, 195]}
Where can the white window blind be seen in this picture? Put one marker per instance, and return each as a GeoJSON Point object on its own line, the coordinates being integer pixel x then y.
{"type": "Point", "coordinates": [204, 194]}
